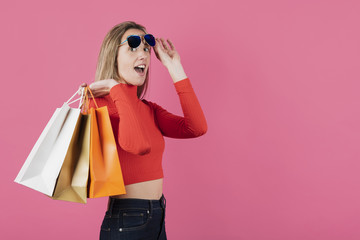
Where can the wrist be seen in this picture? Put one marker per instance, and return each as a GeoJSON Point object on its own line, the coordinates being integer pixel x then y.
{"type": "Point", "coordinates": [177, 72]}
{"type": "Point", "coordinates": [112, 84]}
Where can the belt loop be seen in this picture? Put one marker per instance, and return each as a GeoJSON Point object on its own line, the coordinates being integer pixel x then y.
{"type": "Point", "coordinates": [163, 201]}
{"type": "Point", "coordinates": [151, 209]}
{"type": "Point", "coordinates": [163, 205]}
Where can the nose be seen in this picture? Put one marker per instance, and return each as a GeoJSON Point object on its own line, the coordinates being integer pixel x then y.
{"type": "Point", "coordinates": [143, 53]}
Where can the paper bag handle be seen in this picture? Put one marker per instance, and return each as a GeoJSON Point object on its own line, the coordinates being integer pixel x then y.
{"type": "Point", "coordinates": [88, 88]}
{"type": "Point", "coordinates": [86, 103]}
{"type": "Point", "coordinates": [72, 98]}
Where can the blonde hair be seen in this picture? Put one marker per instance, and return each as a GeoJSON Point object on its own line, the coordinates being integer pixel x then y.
{"type": "Point", "coordinates": [107, 60]}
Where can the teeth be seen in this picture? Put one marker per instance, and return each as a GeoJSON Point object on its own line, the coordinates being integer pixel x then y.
{"type": "Point", "coordinates": [141, 66]}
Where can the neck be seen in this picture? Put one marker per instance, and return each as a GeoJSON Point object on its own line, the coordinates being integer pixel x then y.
{"type": "Point", "coordinates": [130, 90]}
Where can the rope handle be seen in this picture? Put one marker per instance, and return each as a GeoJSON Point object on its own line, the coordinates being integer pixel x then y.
{"type": "Point", "coordinates": [92, 96]}
{"type": "Point", "coordinates": [72, 98]}
{"type": "Point", "coordinates": [81, 99]}
{"type": "Point", "coordinates": [76, 101]}
{"type": "Point", "coordinates": [85, 100]}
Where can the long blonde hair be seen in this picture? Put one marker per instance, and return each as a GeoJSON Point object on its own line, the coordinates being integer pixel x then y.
{"type": "Point", "coordinates": [107, 63]}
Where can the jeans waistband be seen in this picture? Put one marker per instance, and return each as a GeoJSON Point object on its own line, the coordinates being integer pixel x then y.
{"type": "Point", "coordinates": [118, 203]}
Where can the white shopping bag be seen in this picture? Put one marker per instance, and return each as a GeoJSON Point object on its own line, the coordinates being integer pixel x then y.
{"type": "Point", "coordinates": [42, 166]}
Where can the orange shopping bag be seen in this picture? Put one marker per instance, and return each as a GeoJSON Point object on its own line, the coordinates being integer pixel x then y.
{"type": "Point", "coordinates": [106, 178]}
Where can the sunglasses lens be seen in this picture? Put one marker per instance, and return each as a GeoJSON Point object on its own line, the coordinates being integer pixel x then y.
{"type": "Point", "coordinates": [150, 39]}
{"type": "Point", "coordinates": [134, 41]}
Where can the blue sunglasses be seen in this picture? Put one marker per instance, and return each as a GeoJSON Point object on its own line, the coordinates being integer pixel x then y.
{"type": "Point", "coordinates": [135, 40]}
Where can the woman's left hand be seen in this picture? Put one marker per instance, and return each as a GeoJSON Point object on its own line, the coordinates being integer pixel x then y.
{"type": "Point", "coordinates": [167, 54]}
{"type": "Point", "coordinates": [170, 58]}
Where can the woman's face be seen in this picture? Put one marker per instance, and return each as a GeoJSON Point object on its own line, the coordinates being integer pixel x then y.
{"type": "Point", "coordinates": [129, 59]}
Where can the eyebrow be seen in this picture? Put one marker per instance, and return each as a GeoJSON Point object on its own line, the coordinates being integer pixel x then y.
{"type": "Point", "coordinates": [135, 35]}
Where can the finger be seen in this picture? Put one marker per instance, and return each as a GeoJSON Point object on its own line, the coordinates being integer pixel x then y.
{"type": "Point", "coordinates": [95, 87]}
{"type": "Point", "coordinates": [156, 47]}
{"type": "Point", "coordinates": [171, 44]}
{"type": "Point", "coordinates": [92, 85]}
{"type": "Point", "coordinates": [164, 44]}
{"type": "Point", "coordinates": [161, 47]}
{"type": "Point", "coordinates": [156, 53]}
{"type": "Point", "coordinates": [81, 87]}
{"type": "Point", "coordinates": [79, 92]}
{"type": "Point", "coordinates": [160, 50]}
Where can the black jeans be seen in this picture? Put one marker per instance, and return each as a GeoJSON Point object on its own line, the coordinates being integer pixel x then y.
{"type": "Point", "coordinates": [134, 219]}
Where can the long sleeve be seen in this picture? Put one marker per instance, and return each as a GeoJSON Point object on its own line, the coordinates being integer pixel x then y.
{"type": "Point", "coordinates": [192, 125]}
{"type": "Point", "coordinates": [132, 135]}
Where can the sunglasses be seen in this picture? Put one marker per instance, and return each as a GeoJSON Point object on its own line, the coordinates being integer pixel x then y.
{"type": "Point", "coordinates": [135, 40]}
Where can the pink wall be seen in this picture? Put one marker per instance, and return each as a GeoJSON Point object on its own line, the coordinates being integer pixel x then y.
{"type": "Point", "coordinates": [279, 85]}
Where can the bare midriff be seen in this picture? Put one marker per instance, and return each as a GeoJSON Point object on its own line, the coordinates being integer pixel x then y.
{"type": "Point", "coordinates": [150, 190]}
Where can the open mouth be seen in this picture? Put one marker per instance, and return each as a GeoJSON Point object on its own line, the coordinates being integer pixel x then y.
{"type": "Point", "coordinates": [140, 69]}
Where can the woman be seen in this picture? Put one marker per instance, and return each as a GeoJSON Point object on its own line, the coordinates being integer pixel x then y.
{"type": "Point", "coordinates": [139, 126]}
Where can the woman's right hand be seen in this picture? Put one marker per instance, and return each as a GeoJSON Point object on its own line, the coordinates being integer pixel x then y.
{"type": "Point", "coordinates": [81, 88]}
{"type": "Point", "coordinates": [99, 88]}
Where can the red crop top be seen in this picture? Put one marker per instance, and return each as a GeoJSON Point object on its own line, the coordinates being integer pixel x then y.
{"type": "Point", "coordinates": [139, 127]}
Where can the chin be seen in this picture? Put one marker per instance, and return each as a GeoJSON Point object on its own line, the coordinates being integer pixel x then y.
{"type": "Point", "coordinates": [140, 83]}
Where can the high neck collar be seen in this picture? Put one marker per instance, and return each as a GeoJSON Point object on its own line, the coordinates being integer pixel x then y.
{"type": "Point", "coordinates": [128, 91]}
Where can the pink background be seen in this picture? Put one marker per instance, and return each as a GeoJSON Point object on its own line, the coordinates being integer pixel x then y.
{"type": "Point", "coordinates": [279, 85]}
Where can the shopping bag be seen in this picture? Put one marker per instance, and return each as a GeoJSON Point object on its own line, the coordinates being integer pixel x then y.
{"type": "Point", "coordinates": [43, 164]}
{"type": "Point", "coordinates": [73, 178]}
{"type": "Point", "coordinates": [106, 178]}
{"type": "Point", "coordinates": [72, 182]}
